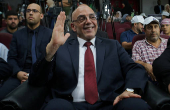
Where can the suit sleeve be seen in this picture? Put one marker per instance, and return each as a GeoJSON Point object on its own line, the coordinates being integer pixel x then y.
{"type": "Point", "coordinates": [13, 54]}
{"type": "Point", "coordinates": [134, 74]}
{"type": "Point", "coordinates": [5, 70]}
{"type": "Point", "coordinates": [41, 72]}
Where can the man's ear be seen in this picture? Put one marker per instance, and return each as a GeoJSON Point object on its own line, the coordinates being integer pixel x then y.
{"type": "Point", "coordinates": [73, 27]}
{"type": "Point", "coordinates": [42, 16]}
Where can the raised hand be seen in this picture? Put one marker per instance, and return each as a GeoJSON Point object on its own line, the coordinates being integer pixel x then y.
{"type": "Point", "coordinates": [58, 37]}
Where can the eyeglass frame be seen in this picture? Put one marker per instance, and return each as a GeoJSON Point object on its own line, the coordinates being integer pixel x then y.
{"type": "Point", "coordinates": [33, 10]}
{"type": "Point", "coordinates": [77, 20]}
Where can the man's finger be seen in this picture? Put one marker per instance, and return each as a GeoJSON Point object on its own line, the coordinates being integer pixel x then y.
{"type": "Point", "coordinates": [134, 95]}
{"type": "Point", "coordinates": [116, 100]}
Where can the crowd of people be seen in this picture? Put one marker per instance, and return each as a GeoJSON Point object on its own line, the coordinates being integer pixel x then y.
{"type": "Point", "coordinates": [84, 69]}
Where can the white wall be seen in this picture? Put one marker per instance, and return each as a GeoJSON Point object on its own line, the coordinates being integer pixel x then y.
{"type": "Point", "coordinates": [148, 5]}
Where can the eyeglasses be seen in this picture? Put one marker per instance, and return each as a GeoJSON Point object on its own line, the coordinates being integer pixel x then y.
{"type": "Point", "coordinates": [33, 10]}
{"type": "Point", "coordinates": [83, 18]}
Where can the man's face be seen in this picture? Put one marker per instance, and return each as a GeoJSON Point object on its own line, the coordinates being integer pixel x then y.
{"type": "Point", "coordinates": [152, 32]}
{"type": "Point", "coordinates": [117, 15]}
{"type": "Point", "coordinates": [166, 29]}
{"type": "Point", "coordinates": [49, 2]}
{"type": "Point", "coordinates": [139, 27]}
{"type": "Point", "coordinates": [12, 21]}
{"type": "Point", "coordinates": [87, 28]}
{"type": "Point", "coordinates": [163, 17]}
{"type": "Point", "coordinates": [33, 14]}
{"type": "Point", "coordinates": [128, 18]}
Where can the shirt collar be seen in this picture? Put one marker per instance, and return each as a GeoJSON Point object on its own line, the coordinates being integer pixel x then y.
{"type": "Point", "coordinates": [162, 41]}
{"type": "Point", "coordinates": [36, 30]}
{"type": "Point", "coordinates": [82, 41]}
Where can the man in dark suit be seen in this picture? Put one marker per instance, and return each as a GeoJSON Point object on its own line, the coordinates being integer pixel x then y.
{"type": "Point", "coordinates": [76, 62]}
{"type": "Point", "coordinates": [158, 8]}
{"type": "Point", "coordinates": [23, 51]}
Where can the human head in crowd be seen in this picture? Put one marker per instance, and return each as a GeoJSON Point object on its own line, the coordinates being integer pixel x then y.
{"type": "Point", "coordinates": [159, 2]}
{"type": "Point", "coordinates": [118, 14]}
{"type": "Point", "coordinates": [137, 24]}
{"type": "Point", "coordinates": [152, 29]}
{"type": "Point", "coordinates": [12, 21]}
{"type": "Point", "coordinates": [126, 18]}
{"type": "Point", "coordinates": [144, 15]}
{"type": "Point", "coordinates": [125, 3]}
{"type": "Point", "coordinates": [165, 26]}
{"type": "Point", "coordinates": [167, 8]}
{"type": "Point", "coordinates": [84, 22]}
{"type": "Point", "coordinates": [50, 3]}
{"type": "Point", "coordinates": [33, 15]}
{"type": "Point", "coordinates": [165, 15]}
{"type": "Point", "coordinates": [109, 19]}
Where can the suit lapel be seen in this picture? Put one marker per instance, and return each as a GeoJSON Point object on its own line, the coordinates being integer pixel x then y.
{"type": "Point", "coordinates": [100, 52]}
{"type": "Point", "coordinates": [24, 40]}
{"type": "Point", "coordinates": [73, 47]}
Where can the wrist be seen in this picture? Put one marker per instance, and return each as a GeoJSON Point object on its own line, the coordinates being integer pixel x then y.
{"type": "Point", "coordinates": [130, 90]}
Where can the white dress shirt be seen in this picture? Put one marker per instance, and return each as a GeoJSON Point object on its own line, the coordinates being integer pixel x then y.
{"type": "Point", "coordinates": [78, 93]}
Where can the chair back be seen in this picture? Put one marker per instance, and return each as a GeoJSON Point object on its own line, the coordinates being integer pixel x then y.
{"type": "Point", "coordinates": [109, 30]}
{"type": "Point", "coordinates": [5, 38]}
{"type": "Point", "coordinates": [2, 28]}
{"type": "Point", "coordinates": [119, 32]}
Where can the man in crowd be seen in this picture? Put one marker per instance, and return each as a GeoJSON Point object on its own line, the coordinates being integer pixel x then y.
{"type": "Point", "coordinates": [146, 51]}
{"type": "Point", "coordinates": [165, 27]}
{"type": "Point", "coordinates": [89, 73]}
{"type": "Point", "coordinates": [26, 46]}
{"type": "Point", "coordinates": [158, 8]}
{"type": "Point", "coordinates": [127, 36]}
{"type": "Point", "coordinates": [12, 21]}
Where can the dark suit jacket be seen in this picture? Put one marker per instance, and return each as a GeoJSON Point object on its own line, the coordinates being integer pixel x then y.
{"type": "Point", "coordinates": [98, 34]}
{"type": "Point", "coordinates": [161, 67]}
{"type": "Point", "coordinates": [116, 71]}
{"type": "Point", "coordinates": [18, 47]}
{"type": "Point", "coordinates": [5, 70]}
{"type": "Point", "coordinates": [157, 10]}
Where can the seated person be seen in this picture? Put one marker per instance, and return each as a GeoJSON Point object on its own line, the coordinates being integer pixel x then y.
{"type": "Point", "coordinates": [165, 27]}
{"type": "Point", "coordinates": [27, 44]}
{"type": "Point", "coordinates": [126, 18]}
{"type": "Point", "coordinates": [12, 21]}
{"type": "Point", "coordinates": [89, 73]}
{"type": "Point", "coordinates": [161, 68]}
{"type": "Point", "coordinates": [117, 17]}
{"type": "Point", "coordinates": [165, 15]}
{"type": "Point", "coordinates": [127, 36]}
{"type": "Point", "coordinates": [147, 50]}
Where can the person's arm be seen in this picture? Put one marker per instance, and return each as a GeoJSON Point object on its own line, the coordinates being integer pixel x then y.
{"type": "Point", "coordinates": [123, 40]}
{"type": "Point", "coordinates": [148, 68]}
{"type": "Point", "coordinates": [5, 70]}
{"type": "Point", "coordinates": [127, 45]}
{"type": "Point", "coordinates": [134, 75]}
{"type": "Point", "coordinates": [42, 68]}
{"type": "Point", "coordinates": [136, 56]}
{"type": "Point", "coordinates": [58, 37]}
{"type": "Point", "coordinates": [12, 55]}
